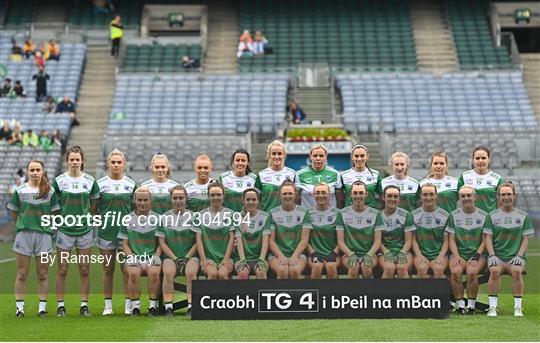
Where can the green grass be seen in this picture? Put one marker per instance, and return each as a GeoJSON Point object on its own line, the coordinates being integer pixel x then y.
{"type": "Point", "coordinates": [121, 328]}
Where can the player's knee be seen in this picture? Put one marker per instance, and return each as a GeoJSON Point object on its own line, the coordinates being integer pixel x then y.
{"type": "Point", "coordinates": [84, 270]}
{"type": "Point", "coordinates": [260, 274]}
{"type": "Point", "coordinates": [22, 275]}
{"type": "Point", "coordinates": [516, 274]}
{"type": "Point", "coordinates": [62, 270]}
{"type": "Point", "coordinates": [223, 274]}
{"type": "Point", "coordinates": [42, 275]}
{"type": "Point", "coordinates": [495, 272]}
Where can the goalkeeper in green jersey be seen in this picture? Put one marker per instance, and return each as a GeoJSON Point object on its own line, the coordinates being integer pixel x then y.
{"type": "Point", "coordinates": [29, 204]}
{"type": "Point", "coordinates": [507, 238]}
{"type": "Point", "coordinates": [395, 255]}
{"type": "Point", "coordinates": [142, 251]}
{"type": "Point", "coordinates": [252, 235]}
{"type": "Point", "coordinates": [115, 197]}
{"type": "Point", "coordinates": [290, 235]}
{"type": "Point", "coordinates": [430, 240]}
{"type": "Point", "coordinates": [178, 245]}
{"type": "Point", "coordinates": [78, 193]}
{"type": "Point", "coordinates": [323, 248]}
{"type": "Point", "coordinates": [215, 235]}
{"type": "Point", "coordinates": [359, 232]}
{"type": "Point", "coordinates": [484, 181]}
{"type": "Point", "coordinates": [466, 242]}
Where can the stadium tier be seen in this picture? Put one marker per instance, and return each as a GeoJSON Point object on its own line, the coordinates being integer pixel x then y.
{"type": "Point", "coordinates": [323, 31]}
{"type": "Point", "coordinates": [65, 78]}
{"type": "Point", "coordinates": [219, 104]}
{"type": "Point", "coordinates": [528, 188]}
{"type": "Point", "coordinates": [456, 102]}
{"type": "Point", "coordinates": [162, 58]}
{"type": "Point", "coordinates": [19, 13]}
{"type": "Point", "coordinates": [82, 14]}
{"type": "Point", "coordinates": [472, 37]}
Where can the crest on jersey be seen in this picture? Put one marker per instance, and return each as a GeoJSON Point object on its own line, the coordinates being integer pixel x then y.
{"type": "Point", "coordinates": [368, 220]}
{"type": "Point", "coordinates": [438, 220]}
{"type": "Point", "coordinates": [447, 184]}
{"type": "Point", "coordinates": [489, 182]}
{"type": "Point", "coordinates": [368, 178]}
{"type": "Point", "coordinates": [409, 187]}
{"type": "Point", "coordinates": [85, 186]}
{"type": "Point", "coordinates": [298, 218]}
{"type": "Point", "coordinates": [127, 188]}
{"type": "Point", "coordinates": [260, 222]}
{"type": "Point", "coordinates": [329, 219]}
{"type": "Point", "coordinates": [518, 221]}
{"type": "Point", "coordinates": [328, 178]}
{"type": "Point", "coordinates": [478, 221]}
{"type": "Point", "coordinates": [469, 182]}
{"type": "Point", "coordinates": [249, 184]}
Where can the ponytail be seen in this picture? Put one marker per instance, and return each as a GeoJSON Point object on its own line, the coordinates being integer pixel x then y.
{"type": "Point", "coordinates": [44, 186]}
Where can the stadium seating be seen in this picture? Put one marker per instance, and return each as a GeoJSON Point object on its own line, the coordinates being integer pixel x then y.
{"type": "Point", "coordinates": [181, 150]}
{"type": "Point", "coordinates": [472, 38]}
{"type": "Point", "coordinates": [456, 145]}
{"type": "Point", "coordinates": [65, 78]}
{"type": "Point", "coordinates": [162, 58]}
{"type": "Point", "coordinates": [81, 14]}
{"type": "Point", "coordinates": [416, 102]}
{"type": "Point", "coordinates": [13, 158]}
{"type": "Point", "coordinates": [218, 104]}
{"type": "Point", "coordinates": [366, 35]}
{"type": "Point", "coordinates": [528, 190]}
{"type": "Point", "coordinates": [19, 13]}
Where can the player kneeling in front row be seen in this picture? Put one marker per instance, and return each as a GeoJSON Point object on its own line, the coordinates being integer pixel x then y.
{"type": "Point", "coordinates": [252, 236]}
{"type": "Point", "coordinates": [397, 236]}
{"type": "Point", "coordinates": [178, 244]}
{"type": "Point", "coordinates": [359, 232]}
{"type": "Point", "coordinates": [466, 242]}
{"type": "Point", "coordinates": [290, 235]}
{"type": "Point", "coordinates": [507, 232]}
{"type": "Point", "coordinates": [322, 245]}
{"type": "Point", "coordinates": [215, 235]}
{"type": "Point", "coordinates": [142, 251]}
{"type": "Point", "coordinates": [430, 241]}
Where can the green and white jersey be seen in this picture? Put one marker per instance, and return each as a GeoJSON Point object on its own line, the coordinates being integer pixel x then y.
{"type": "Point", "coordinates": [197, 195]}
{"type": "Point", "coordinates": [307, 179]}
{"type": "Point", "coordinates": [177, 229]}
{"type": "Point", "coordinates": [408, 191]}
{"type": "Point", "coordinates": [114, 197]}
{"type": "Point", "coordinates": [359, 228]}
{"type": "Point", "coordinates": [485, 186]}
{"type": "Point", "coordinates": [370, 177]}
{"type": "Point", "coordinates": [252, 234]}
{"type": "Point", "coordinates": [161, 194]}
{"type": "Point", "coordinates": [447, 191]}
{"type": "Point", "coordinates": [234, 187]}
{"type": "Point", "coordinates": [215, 232]}
{"type": "Point", "coordinates": [75, 194]}
{"type": "Point", "coordinates": [468, 229]}
{"type": "Point", "coordinates": [322, 237]}
{"type": "Point", "coordinates": [139, 234]}
{"type": "Point", "coordinates": [268, 181]}
{"type": "Point", "coordinates": [430, 228]}
{"type": "Point", "coordinates": [30, 209]}
{"type": "Point", "coordinates": [395, 226]}
{"type": "Point", "coordinates": [507, 231]}
{"type": "Point", "coordinates": [288, 227]}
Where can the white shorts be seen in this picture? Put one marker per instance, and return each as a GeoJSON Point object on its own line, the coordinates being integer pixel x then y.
{"type": "Point", "coordinates": [105, 244]}
{"type": "Point", "coordinates": [67, 242]}
{"type": "Point", "coordinates": [32, 243]}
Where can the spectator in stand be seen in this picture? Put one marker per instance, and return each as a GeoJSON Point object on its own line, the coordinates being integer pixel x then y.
{"type": "Point", "coordinates": [29, 138]}
{"type": "Point", "coordinates": [17, 182]}
{"type": "Point", "coordinates": [16, 137]}
{"type": "Point", "coordinates": [5, 131]}
{"type": "Point", "coordinates": [117, 32]}
{"type": "Point", "coordinates": [21, 174]}
{"type": "Point", "coordinates": [246, 37]}
{"type": "Point", "coordinates": [29, 48]}
{"type": "Point", "coordinates": [260, 44]}
{"type": "Point", "coordinates": [54, 50]}
{"type": "Point", "coordinates": [16, 52]}
{"type": "Point", "coordinates": [67, 106]}
{"type": "Point", "coordinates": [190, 63]}
{"type": "Point", "coordinates": [297, 113]}
{"type": "Point", "coordinates": [49, 105]}
{"type": "Point", "coordinates": [245, 46]}
{"type": "Point", "coordinates": [41, 78]}
{"type": "Point", "coordinates": [39, 59]}
{"type": "Point", "coordinates": [45, 141]}
{"type": "Point", "coordinates": [6, 88]}
{"type": "Point", "coordinates": [44, 50]}
{"type": "Point", "coordinates": [19, 90]}
{"type": "Point", "coordinates": [58, 139]}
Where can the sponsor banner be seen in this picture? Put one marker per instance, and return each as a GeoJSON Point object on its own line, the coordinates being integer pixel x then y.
{"type": "Point", "coordinates": [316, 299]}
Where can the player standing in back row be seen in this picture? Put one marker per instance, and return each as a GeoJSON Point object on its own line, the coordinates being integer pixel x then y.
{"type": "Point", "coordinates": [237, 180]}
{"type": "Point", "coordinates": [408, 187]}
{"type": "Point", "coordinates": [361, 172]}
{"type": "Point", "coordinates": [446, 185]}
{"type": "Point", "coordinates": [160, 184]}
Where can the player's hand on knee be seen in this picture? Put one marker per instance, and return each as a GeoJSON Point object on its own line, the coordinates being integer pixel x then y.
{"type": "Point", "coordinates": [181, 264]}
{"type": "Point", "coordinates": [261, 265]}
{"type": "Point", "coordinates": [240, 265]}
{"type": "Point", "coordinates": [422, 259]}
{"type": "Point", "coordinates": [439, 260]}
{"type": "Point", "coordinates": [353, 261]}
{"type": "Point", "coordinates": [367, 260]}
{"type": "Point", "coordinates": [473, 261]}
{"type": "Point", "coordinates": [518, 261]}
{"type": "Point", "coordinates": [331, 258]}
{"type": "Point", "coordinates": [494, 261]}
{"type": "Point", "coordinates": [401, 258]}
{"type": "Point", "coordinates": [389, 257]}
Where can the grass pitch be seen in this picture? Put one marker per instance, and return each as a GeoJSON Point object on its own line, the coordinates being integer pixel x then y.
{"type": "Point", "coordinates": [122, 328]}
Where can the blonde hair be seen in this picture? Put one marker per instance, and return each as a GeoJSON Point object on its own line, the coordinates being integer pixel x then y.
{"type": "Point", "coordinates": [437, 154]}
{"type": "Point", "coordinates": [468, 187]}
{"type": "Point", "coordinates": [318, 146]}
{"type": "Point", "coordinates": [142, 189]}
{"type": "Point", "coordinates": [275, 143]}
{"type": "Point", "coordinates": [202, 157]}
{"type": "Point", "coordinates": [116, 152]}
{"type": "Point", "coordinates": [160, 156]}
{"type": "Point", "coordinates": [322, 184]}
{"type": "Point", "coordinates": [396, 155]}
